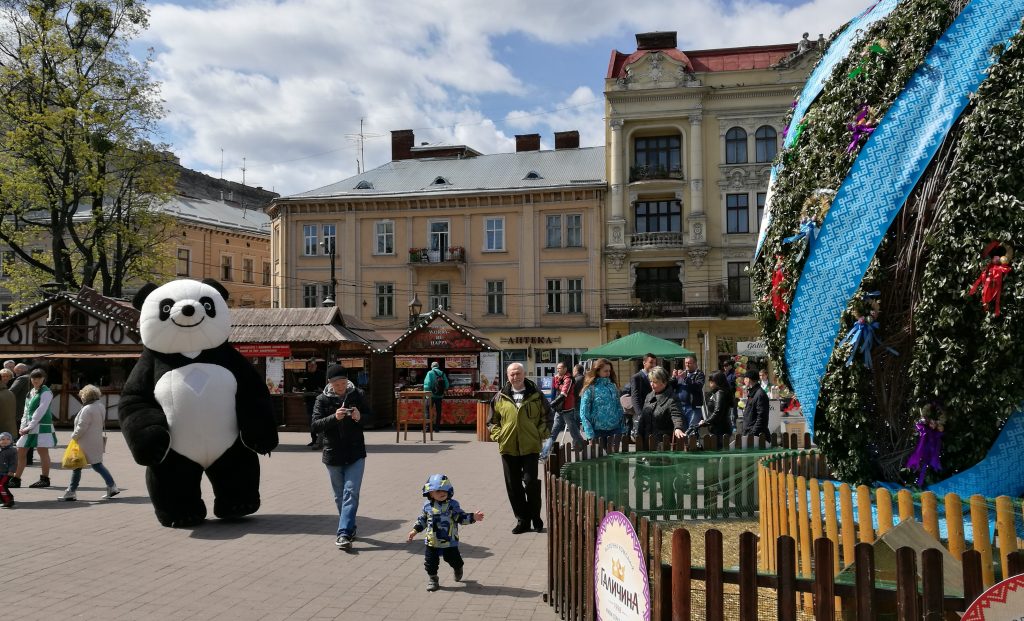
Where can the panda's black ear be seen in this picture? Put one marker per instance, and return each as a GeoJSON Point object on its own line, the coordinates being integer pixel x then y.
{"type": "Point", "coordinates": [143, 293]}
{"type": "Point", "coordinates": [219, 287]}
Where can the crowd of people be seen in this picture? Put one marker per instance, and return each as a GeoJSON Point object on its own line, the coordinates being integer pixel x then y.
{"type": "Point", "coordinates": [26, 427]}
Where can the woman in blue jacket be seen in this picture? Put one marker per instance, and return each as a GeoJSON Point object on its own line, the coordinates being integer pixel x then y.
{"type": "Point", "coordinates": [600, 409]}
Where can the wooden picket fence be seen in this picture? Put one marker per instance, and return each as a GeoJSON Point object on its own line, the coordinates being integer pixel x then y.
{"type": "Point", "coordinates": [574, 515]}
{"type": "Point", "coordinates": [788, 486]}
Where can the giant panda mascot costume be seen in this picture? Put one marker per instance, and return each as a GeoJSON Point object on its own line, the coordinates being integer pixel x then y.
{"type": "Point", "coordinates": [193, 404]}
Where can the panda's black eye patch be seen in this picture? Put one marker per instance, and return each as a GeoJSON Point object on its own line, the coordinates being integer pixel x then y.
{"type": "Point", "coordinates": [165, 308]}
{"type": "Point", "coordinates": [208, 305]}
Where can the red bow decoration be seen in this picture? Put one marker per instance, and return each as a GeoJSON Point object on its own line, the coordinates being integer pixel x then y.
{"type": "Point", "coordinates": [779, 291]}
{"type": "Point", "coordinates": [991, 278]}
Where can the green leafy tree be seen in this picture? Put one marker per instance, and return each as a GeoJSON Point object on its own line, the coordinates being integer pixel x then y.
{"type": "Point", "coordinates": [80, 176]}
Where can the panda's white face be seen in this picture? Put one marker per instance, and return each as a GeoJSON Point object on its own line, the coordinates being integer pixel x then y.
{"type": "Point", "coordinates": [184, 316]}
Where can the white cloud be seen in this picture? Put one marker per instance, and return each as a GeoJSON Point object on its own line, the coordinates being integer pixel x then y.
{"type": "Point", "coordinates": [285, 83]}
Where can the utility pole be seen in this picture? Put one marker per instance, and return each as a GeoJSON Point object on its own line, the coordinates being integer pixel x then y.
{"type": "Point", "coordinates": [243, 170]}
{"type": "Point", "coordinates": [332, 298]}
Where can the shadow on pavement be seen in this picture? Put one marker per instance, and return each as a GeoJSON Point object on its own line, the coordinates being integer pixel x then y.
{"type": "Point", "coordinates": [410, 447]}
{"type": "Point", "coordinates": [478, 588]}
{"type": "Point", "coordinates": [284, 524]}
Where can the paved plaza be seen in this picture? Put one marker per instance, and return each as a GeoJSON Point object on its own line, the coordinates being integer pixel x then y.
{"type": "Point", "coordinates": [98, 559]}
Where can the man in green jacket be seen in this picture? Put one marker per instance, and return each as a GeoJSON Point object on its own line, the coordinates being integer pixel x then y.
{"type": "Point", "coordinates": [519, 423]}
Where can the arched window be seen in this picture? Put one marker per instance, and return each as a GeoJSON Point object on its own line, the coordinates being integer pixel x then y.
{"type": "Point", "coordinates": [736, 146]}
{"type": "Point", "coordinates": [766, 143]}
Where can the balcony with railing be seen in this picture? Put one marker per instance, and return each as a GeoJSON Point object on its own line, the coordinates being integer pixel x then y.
{"type": "Point", "coordinates": [66, 334]}
{"type": "Point", "coordinates": [677, 310]}
{"type": "Point", "coordinates": [654, 173]}
{"type": "Point", "coordinates": [657, 240]}
{"type": "Point", "coordinates": [455, 255]}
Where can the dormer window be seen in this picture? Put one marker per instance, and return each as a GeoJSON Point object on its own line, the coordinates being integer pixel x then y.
{"type": "Point", "coordinates": [440, 181]}
{"type": "Point", "coordinates": [364, 185]}
{"type": "Point", "coordinates": [533, 174]}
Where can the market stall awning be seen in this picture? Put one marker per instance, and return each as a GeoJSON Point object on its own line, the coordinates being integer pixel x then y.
{"type": "Point", "coordinates": [324, 325]}
{"type": "Point", "coordinates": [636, 345]}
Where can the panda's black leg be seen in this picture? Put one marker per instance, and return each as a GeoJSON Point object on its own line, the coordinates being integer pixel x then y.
{"type": "Point", "coordinates": [174, 489]}
{"type": "Point", "coordinates": [235, 477]}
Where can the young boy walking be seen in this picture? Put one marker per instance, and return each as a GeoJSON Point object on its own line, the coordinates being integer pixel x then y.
{"type": "Point", "coordinates": [440, 518]}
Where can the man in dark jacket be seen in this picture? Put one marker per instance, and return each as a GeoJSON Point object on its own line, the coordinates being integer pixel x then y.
{"type": "Point", "coordinates": [19, 388]}
{"type": "Point", "coordinates": [755, 414]}
{"type": "Point", "coordinates": [640, 386]}
{"type": "Point", "coordinates": [338, 418]}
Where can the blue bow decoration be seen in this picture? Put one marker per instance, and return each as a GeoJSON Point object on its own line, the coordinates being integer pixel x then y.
{"type": "Point", "coordinates": [863, 338]}
{"type": "Point", "coordinates": [809, 231]}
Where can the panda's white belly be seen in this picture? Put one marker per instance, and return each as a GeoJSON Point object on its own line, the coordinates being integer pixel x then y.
{"type": "Point", "coordinates": [199, 401]}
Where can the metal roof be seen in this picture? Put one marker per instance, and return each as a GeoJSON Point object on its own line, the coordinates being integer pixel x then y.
{"type": "Point", "coordinates": [485, 173]}
{"type": "Point", "coordinates": [217, 213]}
{"type": "Point", "coordinates": [300, 325]}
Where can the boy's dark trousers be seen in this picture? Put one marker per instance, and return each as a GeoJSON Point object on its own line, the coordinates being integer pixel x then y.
{"type": "Point", "coordinates": [6, 497]}
{"type": "Point", "coordinates": [432, 558]}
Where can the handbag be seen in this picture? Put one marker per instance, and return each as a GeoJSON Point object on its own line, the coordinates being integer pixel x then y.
{"type": "Point", "coordinates": [73, 458]}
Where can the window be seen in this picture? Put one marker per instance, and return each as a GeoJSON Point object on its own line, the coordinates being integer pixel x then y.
{"type": "Point", "coordinates": [494, 234]}
{"type": "Point", "coordinates": [739, 282]}
{"type": "Point", "coordinates": [325, 292]}
{"type": "Point", "coordinates": [266, 273]}
{"type": "Point", "coordinates": [736, 146]}
{"type": "Point", "coordinates": [554, 232]}
{"type": "Point", "coordinates": [574, 230]}
{"type": "Point", "coordinates": [659, 155]}
{"type": "Point", "coordinates": [574, 295]}
{"type": "Point", "coordinates": [247, 270]}
{"type": "Point", "coordinates": [439, 239]}
{"type": "Point", "coordinates": [438, 295]}
{"type": "Point", "coordinates": [658, 216]}
{"type": "Point", "coordinates": [762, 197]}
{"type": "Point", "coordinates": [495, 297]}
{"type": "Point", "coordinates": [225, 267]}
{"type": "Point", "coordinates": [8, 262]}
{"type": "Point", "coordinates": [736, 213]}
{"type": "Point", "coordinates": [329, 239]}
{"type": "Point", "coordinates": [554, 296]}
{"type": "Point", "coordinates": [658, 284]}
{"type": "Point", "coordinates": [184, 256]}
{"type": "Point", "coordinates": [309, 240]}
{"type": "Point", "coordinates": [385, 299]}
{"type": "Point", "coordinates": [5, 310]}
{"type": "Point", "coordinates": [384, 231]}
{"type": "Point", "coordinates": [309, 296]}
{"type": "Point", "coordinates": [765, 144]}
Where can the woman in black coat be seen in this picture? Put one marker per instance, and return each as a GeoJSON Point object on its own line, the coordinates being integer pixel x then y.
{"type": "Point", "coordinates": [720, 404]}
{"type": "Point", "coordinates": [662, 414]}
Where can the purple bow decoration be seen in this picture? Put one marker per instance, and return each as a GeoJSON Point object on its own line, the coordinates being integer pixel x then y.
{"type": "Point", "coordinates": [926, 455]}
{"type": "Point", "coordinates": [861, 128]}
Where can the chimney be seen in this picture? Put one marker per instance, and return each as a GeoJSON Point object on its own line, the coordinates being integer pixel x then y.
{"type": "Point", "coordinates": [567, 140]}
{"type": "Point", "coordinates": [527, 142]}
{"type": "Point", "coordinates": [656, 41]}
{"type": "Point", "coordinates": [402, 142]}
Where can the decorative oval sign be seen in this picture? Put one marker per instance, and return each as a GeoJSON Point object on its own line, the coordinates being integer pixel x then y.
{"type": "Point", "coordinates": [621, 585]}
{"type": "Point", "coordinates": [1003, 602]}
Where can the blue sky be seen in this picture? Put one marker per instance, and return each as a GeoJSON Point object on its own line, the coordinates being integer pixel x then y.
{"type": "Point", "coordinates": [285, 83]}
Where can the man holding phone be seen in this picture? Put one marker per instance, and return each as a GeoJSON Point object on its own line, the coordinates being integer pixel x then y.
{"type": "Point", "coordinates": [338, 418]}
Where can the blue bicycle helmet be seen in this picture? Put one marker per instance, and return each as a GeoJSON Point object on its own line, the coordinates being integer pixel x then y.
{"type": "Point", "coordinates": [438, 483]}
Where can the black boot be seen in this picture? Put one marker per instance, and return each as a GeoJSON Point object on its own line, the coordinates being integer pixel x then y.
{"type": "Point", "coordinates": [43, 481]}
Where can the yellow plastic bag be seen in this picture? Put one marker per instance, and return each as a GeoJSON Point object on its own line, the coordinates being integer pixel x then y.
{"type": "Point", "coordinates": [73, 458]}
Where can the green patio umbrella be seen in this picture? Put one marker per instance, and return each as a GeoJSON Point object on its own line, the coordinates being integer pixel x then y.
{"type": "Point", "coordinates": [636, 345]}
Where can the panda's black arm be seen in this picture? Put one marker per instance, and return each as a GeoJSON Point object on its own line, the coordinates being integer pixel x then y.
{"type": "Point", "coordinates": [143, 422]}
{"type": "Point", "coordinates": [253, 406]}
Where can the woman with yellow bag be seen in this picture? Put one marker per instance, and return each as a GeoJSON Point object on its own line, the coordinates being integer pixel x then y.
{"type": "Point", "coordinates": [88, 437]}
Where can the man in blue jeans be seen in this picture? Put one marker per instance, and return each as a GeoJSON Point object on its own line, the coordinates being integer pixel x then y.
{"type": "Point", "coordinates": [563, 402]}
{"type": "Point", "coordinates": [338, 418]}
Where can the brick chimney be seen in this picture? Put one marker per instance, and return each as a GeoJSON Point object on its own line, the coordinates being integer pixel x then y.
{"type": "Point", "coordinates": [567, 140]}
{"type": "Point", "coordinates": [656, 40]}
{"type": "Point", "coordinates": [402, 142]}
{"type": "Point", "coordinates": [527, 142]}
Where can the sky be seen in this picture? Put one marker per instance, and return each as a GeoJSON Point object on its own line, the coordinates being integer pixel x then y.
{"type": "Point", "coordinates": [284, 88]}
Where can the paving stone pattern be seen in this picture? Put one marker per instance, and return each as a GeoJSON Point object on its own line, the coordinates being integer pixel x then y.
{"type": "Point", "coordinates": [99, 559]}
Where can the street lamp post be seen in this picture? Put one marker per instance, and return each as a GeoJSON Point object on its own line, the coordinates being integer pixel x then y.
{"type": "Point", "coordinates": [415, 307]}
{"type": "Point", "coordinates": [332, 298]}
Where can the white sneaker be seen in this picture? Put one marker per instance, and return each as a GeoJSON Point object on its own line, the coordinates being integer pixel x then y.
{"type": "Point", "coordinates": [68, 496]}
{"type": "Point", "coordinates": [111, 492]}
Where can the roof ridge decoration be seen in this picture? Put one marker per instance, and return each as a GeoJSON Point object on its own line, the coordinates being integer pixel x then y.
{"type": "Point", "coordinates": [449, 318]}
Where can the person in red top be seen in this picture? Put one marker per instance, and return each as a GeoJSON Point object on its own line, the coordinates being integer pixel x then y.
{"type": "Point", "coordinates": [566, 409]}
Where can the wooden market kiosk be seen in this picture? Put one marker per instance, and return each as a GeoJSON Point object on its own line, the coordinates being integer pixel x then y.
{"type": "Point", "coordinates": [291, 348]}
{"type": "Point", "coordinates": [78, 338]}
{"type": "Point", "coordinates": [468, 358]}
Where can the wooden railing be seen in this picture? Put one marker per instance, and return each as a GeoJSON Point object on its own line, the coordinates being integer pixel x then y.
{"type": "Point", "coordinates": [574, 514]}
{"type": "Point", "coordinates": [789, 486]}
